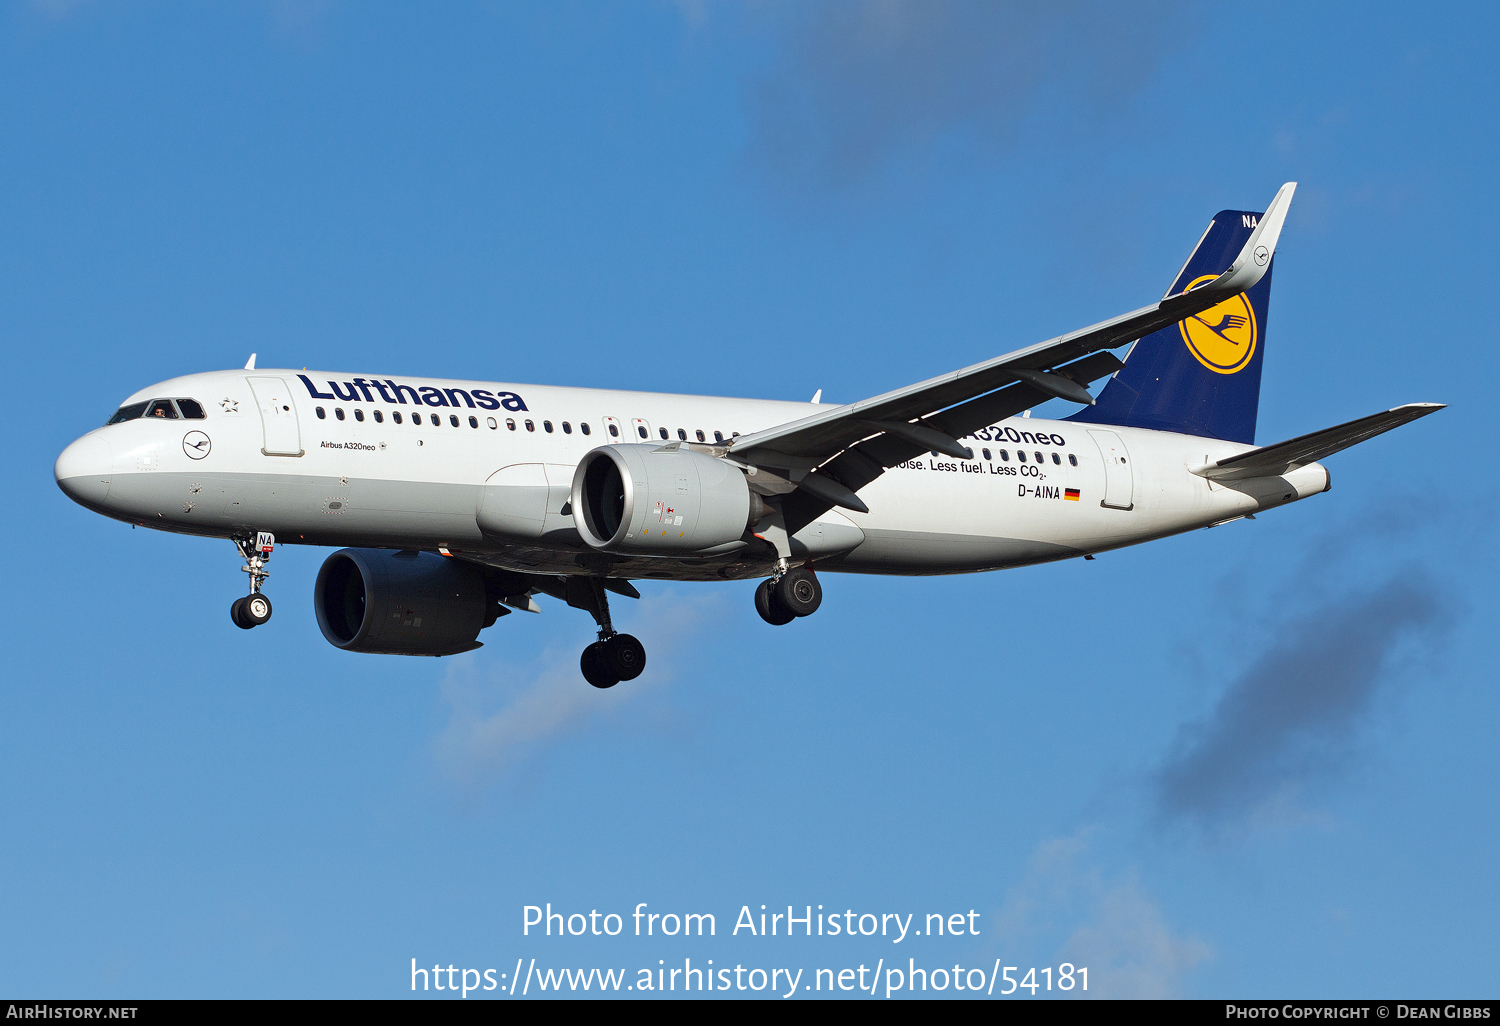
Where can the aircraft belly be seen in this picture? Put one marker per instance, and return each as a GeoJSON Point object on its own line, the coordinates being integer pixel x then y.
{"type": "Point", "coordinates": [938, 515]}
{"type": "Point", "coordinates": [315, 510]}
{"type": "Point", "coordinates": [917, 553]}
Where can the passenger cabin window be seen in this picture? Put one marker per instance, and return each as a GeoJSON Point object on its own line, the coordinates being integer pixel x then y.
{"type": "Point", "coordinates": [719, 437]}
{"type": "Point", "coordinates": [493, 425]}
{"type": "Point", "coordinates": [510, 425]}
{"type": "Point", "coordinates": [321, 414]}
{"type": "Point", "coordinates": [190, 409]}
{"type": "Point", "coordinates": [700, 435]}
{"type": "Point", "coordinates": [1020, 456]}
{"type": "Point", "coordinates": [396, 416]}
{"type": "Point", "coordinates": [338, 411]}
{"type": "Point", "coordinates": [1057, 459]}
{"type": "Point", "coordinates": [359, 415]}
{"type": "Point", "coordinates": [530, 426]}
{"type": "Point", "coordinates": [453, 419]}
{"type": "Point", "coordinates": [567, 428]}
{"type": "Point", "coordinates": [124, 413]}
{"type": "Point", "coordinates": [1039, 458]}
{"type": "Point", "coordinates": [1072, 460]}
{"type": "Point", "coordinates": [379, 417]}
{"type": "Point", "coordinates": [614, 432]}
{"type": "Point", "coordinates": [986, 453]}
{"type": "Point", "coordinates": [1004, 455]}
{"type": "Point", "coordinates": [642, 430]}
{"type": "Point", "coordinates": [547, 426]}
{"type": "Point", "coordinates": [473, 422]}
{"type": "Point", "coordinates": [584, 428]}
{"type": "Point", "coordinates": [663, 433]}
{"type": "Point", "coordinates": [162, 408]}
{"type": "Point", "coordinates": [436, 420]}
{"type": "Point", "coordinates": [682, 434]}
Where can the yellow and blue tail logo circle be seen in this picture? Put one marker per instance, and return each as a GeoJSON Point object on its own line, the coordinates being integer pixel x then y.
{"type": "Point", "coordinates": [1222, 338]}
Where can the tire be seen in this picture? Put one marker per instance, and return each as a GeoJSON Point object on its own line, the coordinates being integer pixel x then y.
{"type": "Point", "coordinates": [256, 610]}
{"type": "Point", "coordinates": [593, 669]}
{"type": "Point", "coordinates": [799, 592]}
{"type": "Point", "coordinates": [623, 657]}
{"type": "Point", "coordinates": [769, 607]}
{"type": "Point", "coordinates": [237, 614]}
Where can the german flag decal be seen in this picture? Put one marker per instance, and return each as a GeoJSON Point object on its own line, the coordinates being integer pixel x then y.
{"type": "Point", "coordinates": [1071, 494]}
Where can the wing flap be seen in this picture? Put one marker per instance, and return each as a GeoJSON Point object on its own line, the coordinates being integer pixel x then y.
{"type": "Point", "coordinates": [1273, 460]}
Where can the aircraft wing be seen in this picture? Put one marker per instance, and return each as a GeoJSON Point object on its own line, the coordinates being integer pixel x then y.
{"type": "Point", "coordinates": [1271, 460]}
{"type": "Point", "coordinates": [852, 445]}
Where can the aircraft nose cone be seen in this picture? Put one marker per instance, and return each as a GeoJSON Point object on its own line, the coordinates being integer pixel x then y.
{"type": "Point", "coordinates": [83, 470]}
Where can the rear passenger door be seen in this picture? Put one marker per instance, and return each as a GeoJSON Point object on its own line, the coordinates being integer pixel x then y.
{"type": "Point", "coordinates": [1119, 482]}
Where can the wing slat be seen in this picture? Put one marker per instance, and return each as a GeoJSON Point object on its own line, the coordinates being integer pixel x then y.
{"type": "Point", "coordinates": [827, 432]}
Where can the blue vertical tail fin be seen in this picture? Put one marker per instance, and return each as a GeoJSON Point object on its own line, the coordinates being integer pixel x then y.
{"type": "Point", "coordinates": [1200, 376]}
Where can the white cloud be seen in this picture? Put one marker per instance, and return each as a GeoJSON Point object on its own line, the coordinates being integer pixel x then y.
{"type": "Point", "coordinates": [1089, 918]}
{"type": "Point", "coordinates": [500, 714]}
{"type": "Point", "coordinates": [1130, 950]}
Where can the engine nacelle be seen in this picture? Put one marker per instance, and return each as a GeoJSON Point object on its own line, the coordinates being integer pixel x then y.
{"type": "Point", "coordinates": [400, 603]}
{"type": "Point", "coordinates": [660, 501]}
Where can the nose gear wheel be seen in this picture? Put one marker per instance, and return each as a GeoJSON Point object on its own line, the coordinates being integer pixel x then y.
{"type": "Point", "coordinates": [250, 611]}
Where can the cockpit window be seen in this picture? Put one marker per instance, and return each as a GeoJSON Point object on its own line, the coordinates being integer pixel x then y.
{"type": "Point", "coordinates": [125, 413]}
{"type": "Point", "coordinates": [163, 409]}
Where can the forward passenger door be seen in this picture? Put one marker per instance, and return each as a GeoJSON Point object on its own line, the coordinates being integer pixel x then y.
{"type": "Point", "coordinates": [278, 417]}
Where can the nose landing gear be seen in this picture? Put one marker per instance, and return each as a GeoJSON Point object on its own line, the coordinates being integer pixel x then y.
{"type": "Point", "coordinates": [780, 600]}
{"type": "Point", "coordinates": [254, 609]}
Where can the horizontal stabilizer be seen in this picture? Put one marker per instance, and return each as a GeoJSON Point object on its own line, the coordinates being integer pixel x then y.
{"type": "Point", "coordinates": [1273, 460]}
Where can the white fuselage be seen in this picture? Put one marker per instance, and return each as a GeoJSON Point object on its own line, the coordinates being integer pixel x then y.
{"type": "Point", "coordinates": [1036, 490]}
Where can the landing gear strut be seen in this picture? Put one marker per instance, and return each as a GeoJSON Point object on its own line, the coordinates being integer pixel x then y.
{"type": "Point", "coordinates": [614, 657]}
{"type": "Point", "coordinates": [254, 609]}
{"type": "Point", "coordinates": [781, 599]}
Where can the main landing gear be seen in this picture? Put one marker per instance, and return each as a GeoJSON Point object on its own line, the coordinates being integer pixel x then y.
{"type": "Point", "coordinates": [781, 599]}
{"type": "Point", "coordinates": [614, 657]}
{"type": "Point", "coordinates": [254, 609]}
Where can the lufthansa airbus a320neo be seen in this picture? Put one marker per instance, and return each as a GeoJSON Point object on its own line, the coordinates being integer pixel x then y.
{"type": "Point", "coordinates": [460, 501]}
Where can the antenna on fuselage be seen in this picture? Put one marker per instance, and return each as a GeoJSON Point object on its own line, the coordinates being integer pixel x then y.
{"type": "Point", "coordinates": [250, 363]}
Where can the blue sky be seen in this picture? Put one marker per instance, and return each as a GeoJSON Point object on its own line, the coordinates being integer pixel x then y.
{"type": "Point", "coordinates": [1252, 761]}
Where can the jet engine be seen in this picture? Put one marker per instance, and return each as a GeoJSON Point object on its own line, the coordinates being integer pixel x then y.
{"type": "Point", "coordinates": [661, 500]}
{"type": "Point", "coordinates": [401, 603]}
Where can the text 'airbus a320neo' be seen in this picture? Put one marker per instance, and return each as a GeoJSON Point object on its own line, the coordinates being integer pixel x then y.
{"type": "Point", "coordinates": [460, 501]}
